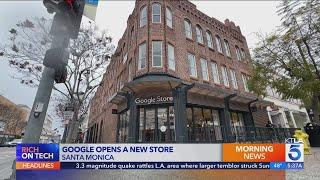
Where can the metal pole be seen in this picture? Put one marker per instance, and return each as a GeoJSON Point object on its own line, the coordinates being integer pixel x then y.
{"type": "Point", "coordinates": [41, 102]}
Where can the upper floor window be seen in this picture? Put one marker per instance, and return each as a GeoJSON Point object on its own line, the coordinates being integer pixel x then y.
{"type": "Point", "coordinates": [125, 57]}
{"type": "Point", "coordinates": [225, 76]}
{"type": "Point", "coordinates": [219, 45]}
{"type": "Point", "coordinates": [142, 56]}
{"type": "Point", "coordinates": [238, 52]}
{"type": "Point", "coordinates": [204, 69]}
{"type": "Point", "coordinates": [129, 70]}
{"type": "Point", "coordinates": [192, 65]}
{"type": "Point", "coordinates": [171, 60]}
{"type": "Point", "coordinates": [143, 16]}
{"type": "Point", "coordinates": [199, 34]}
{"type": "Point", "coordinates": [209, 39]}
{"type": "Point", "coordinates": [157, 53]}
{"type": "Point", "coordinates": [227, 48]}
{"type": "Point", "coordinates": [169, 17]}
{"type": "Point", "coordinates": [187, 28]}
{"type": "Point", "coordinates": [132, 34]}
{"type": "Point", "coordinates": [243, 54]}
{"type": "Point", "coordinates": [234, 79]}
{"type": "Point", "coordinates": [156, 13]}
{"type": "Point", "coordinates": [245, 79]}
{"type": "Point", "coordinates": [215, 72]}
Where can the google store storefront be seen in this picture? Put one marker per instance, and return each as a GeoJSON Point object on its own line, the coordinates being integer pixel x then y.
{"type": "Point", "coordinates": [162, 108]}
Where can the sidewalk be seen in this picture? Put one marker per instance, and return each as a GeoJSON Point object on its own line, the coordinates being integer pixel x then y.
{"type": "Point", "coordinates": [311, 167]}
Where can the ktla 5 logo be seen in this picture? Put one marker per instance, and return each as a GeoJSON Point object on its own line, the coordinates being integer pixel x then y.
{"type": "Point", "coordinates": [294, 150]}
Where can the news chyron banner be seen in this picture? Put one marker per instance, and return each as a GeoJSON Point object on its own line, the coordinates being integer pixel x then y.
{"type": "Point", "coordinates": [160, 156]}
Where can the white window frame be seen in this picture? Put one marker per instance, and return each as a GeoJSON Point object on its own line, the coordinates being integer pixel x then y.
{"type": "Point", "coordinates": [238, 53]}
{"type": "Point", "coordinates": [225, 77]}
{"type": "Point", "coordinates": [204, 69]}
{"type": "Point", "coordinates": [171, 58]}
{"type": "Point", "coordinates": [153, 13]}
{"type": "Point", "coordinates": [169, 17]}
{"type": "Point", "coordinates": [188, 28]}
{"type": "Point", "coordinates": [227, 48]}
{"type": "Point", "coordinates": [192, 65]}
{"type": "Point", "coordinates": [219, 44]}
{"type": "Point", "coordinates": [142, 47]}
{"type": "Point", "coordinates": [156, 55]}
{"type": "Point", "coordinates": [243, 54]}
{"type": "Point", "coordinates": [199, 34]}
{"type": "Point", "coordinates": [234, 79]}
{"type": "Point", "coordinates": [245, 82]}
{"type": "Point", "coordinates": [209, 39]}
{"type": "Point", "coordinates": [215, 73]}
{"type": "Point", "coordinates": [143, 16]}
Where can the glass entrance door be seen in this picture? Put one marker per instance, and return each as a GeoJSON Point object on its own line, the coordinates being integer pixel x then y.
{"type": "Point", "coordinates": [156, 124]}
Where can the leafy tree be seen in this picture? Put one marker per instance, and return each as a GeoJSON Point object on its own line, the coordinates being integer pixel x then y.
{"type": "Point", "coordinates": [288, 60]}
{"type": "Point", "coordinates": [89, 56]}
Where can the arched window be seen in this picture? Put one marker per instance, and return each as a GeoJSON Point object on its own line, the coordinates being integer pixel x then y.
{"type": "Point", "coordinates": [156, 13]}
{"type": "Point", "coordinates": [209, 39]}
{"type": "Point", "coordinates": [169, 17]}
{"type": "Point", "coordinates": [199, 34]}
{"type": "Point", "coordinates": [143, 16]}
{"type": "Point", "coordinates": [218, 42]}
{"type": "Point", "coordinates": [227, 48]}
{"type": "Point", "coordinates": [238, 52]}
{"type": "Point", "coordinates": [187, 28]}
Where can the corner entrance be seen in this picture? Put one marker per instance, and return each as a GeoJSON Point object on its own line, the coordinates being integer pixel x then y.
{"type": "Point", "coordinates": [156, 124]}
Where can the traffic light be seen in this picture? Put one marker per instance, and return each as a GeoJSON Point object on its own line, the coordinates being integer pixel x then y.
{"type": "Point", "coordinates": [71, 10]}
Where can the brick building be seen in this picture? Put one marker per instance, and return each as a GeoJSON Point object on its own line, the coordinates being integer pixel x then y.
{"type": "Point", "coordinates": [177, 75]}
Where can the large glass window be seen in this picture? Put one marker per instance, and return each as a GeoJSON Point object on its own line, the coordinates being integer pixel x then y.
{"type": "Point", "coordinates": [204, 69]}
{"type": "Point", "coordinates": [234, 79]}
{"type": "Point", "coordinates": [227, 48]}
{"type": "Point", "coordinates": [143, 16]}
{"type": "Point", "coordinates": [142, 56]}
{"type": "Point", "coordinates": [150, 125]}
{"type": "Point", "coordinates": [192, 65]}
{"type": "Point", "coordinates": [171, 59]}
{"type": "Point", "coordinates": [169, 17]}
{"type": "Point", "coordinates": [157, 53]}
{"type": "Point", "coordinates": [209, 39]}
{"type": "Point", "coordinates": [163, 124]}
{"type": "Point", "coordinates": [156, 13]}
{"type": "Point", "coordinates": [215, 72]}
{"type": "Point", "coordinates": [199, 34]}
{"type": "Point", "coordinates": [187, 28]}
{"type": "Point", "coordinates": [123, 126]}
{"type": "Point", "coordinates": [225, 76]}
{"type": "Point", "coordinates": [219, 45]}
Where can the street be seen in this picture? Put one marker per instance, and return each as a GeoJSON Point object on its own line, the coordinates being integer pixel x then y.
{"type": "Point", "coordinates": [7, 155]}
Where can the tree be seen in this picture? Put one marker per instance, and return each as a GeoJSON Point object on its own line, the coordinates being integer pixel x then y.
{"type": "Point", "coordinates": [89, 56]}
{"type": "Point", "coordinates": [288, 59]}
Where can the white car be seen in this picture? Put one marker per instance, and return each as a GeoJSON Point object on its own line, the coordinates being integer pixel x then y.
{"type": "Point", "coordinates": [14, 142]}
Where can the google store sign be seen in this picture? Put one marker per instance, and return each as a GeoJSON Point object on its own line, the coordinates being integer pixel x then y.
{"type": "Point", "coordinates": [154, 100]}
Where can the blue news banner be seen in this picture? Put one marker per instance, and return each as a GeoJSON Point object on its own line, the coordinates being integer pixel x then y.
{"type": "Point", "coordinates": [133, 156]}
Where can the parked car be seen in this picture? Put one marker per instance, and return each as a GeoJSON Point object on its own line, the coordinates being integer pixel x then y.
{"type": "Point", "coordinates": [14, 142]}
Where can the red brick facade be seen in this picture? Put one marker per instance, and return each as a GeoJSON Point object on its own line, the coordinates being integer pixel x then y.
{"type": "Point", "coordinates": [117, 73]}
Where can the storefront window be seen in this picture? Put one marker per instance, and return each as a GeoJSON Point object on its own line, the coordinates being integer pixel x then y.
{"type": "Point", "coordinates": [150, 125]}
{"type": "Point", "coordinates": [123, 126]}
{"type": "Point", "coordinates": [162, 124]}
{"type": "Point", "coordinates": [141, 124]}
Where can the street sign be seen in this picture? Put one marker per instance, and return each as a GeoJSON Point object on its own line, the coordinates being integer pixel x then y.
{"type": "Point", "coordinates": [90, 9]}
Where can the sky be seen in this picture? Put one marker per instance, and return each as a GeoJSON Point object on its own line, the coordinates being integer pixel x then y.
{"type": "Point", "coordinates": [251, 16]}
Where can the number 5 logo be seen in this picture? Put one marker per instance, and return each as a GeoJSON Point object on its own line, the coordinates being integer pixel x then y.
{"type": "Point", "coordinates": [294, 152]}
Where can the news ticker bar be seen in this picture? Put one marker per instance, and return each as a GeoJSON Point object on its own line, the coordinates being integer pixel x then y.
{"type": "Point", "coordinates": [160, 165]}
{"type": "Point", "coordinates": [160, 156]}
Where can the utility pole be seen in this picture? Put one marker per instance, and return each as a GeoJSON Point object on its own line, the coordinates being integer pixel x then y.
{"type": "Point", "coordinates": [65, 25]}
